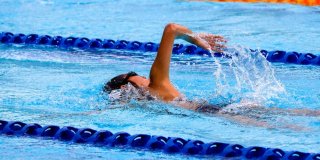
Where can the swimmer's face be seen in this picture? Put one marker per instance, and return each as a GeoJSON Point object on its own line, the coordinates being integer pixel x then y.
{"type": "Point", "coordinates": [139, 81]}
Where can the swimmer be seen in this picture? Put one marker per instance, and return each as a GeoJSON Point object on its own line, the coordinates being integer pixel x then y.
{"type": "Point", "coordinates": [159, 86]}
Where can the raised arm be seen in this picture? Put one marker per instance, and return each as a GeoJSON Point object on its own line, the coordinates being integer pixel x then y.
{"type": "Point", "coordinates": [159, 72]}
{"type": "Point", "coordinates": [160, 68]}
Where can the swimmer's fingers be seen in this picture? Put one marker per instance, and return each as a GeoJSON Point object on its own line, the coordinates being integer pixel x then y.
{"type": "Point", "coordinates": [210, 41]}
{"type": "Point", "coordinates": [218, 38]}
{"type": "Point", "coordinates": [220, 46]}
{"type": "Point", "coordinates": [214, 38]}
{"type": "Point", "coordinates": [216, 45]}
{"type": "Point", "coordinates": [221, 40]}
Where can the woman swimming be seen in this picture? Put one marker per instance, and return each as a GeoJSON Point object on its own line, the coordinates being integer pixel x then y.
{"type": "Point", "coordinates": [159, 86]}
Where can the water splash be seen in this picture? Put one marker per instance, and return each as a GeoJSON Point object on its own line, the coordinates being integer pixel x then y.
{"type": "Point", "coordinates": [247, 76]}
{"type": "Point", "coordinates": [128, 93]}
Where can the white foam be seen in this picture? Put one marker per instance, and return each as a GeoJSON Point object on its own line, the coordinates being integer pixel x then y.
{"type": "Point", "coordinates": [247, 76]}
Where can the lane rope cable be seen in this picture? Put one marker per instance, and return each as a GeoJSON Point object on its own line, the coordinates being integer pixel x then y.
{"type": "Point", "coordinates": [96, 44]}
{"type": "Point", "coordinates": [150, 142]}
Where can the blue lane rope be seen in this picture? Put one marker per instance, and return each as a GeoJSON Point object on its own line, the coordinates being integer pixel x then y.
{"type": "Point", "coordinates": [91, 44]}
{"type": "Point", "coordinates": [150, 142]}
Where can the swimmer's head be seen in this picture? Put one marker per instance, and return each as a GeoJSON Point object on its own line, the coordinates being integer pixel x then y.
{"type": "Point", "coordinates": [123, 79]}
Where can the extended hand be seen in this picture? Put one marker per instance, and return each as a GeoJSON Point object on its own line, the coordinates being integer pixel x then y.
{"type": "Point", "coordinates": [207, 41]}
{"type": "Point", "coordinates": [214, 42]}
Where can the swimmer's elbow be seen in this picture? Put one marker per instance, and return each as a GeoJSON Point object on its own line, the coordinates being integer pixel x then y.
{"type": "Point", "coordinates": [172, 27]}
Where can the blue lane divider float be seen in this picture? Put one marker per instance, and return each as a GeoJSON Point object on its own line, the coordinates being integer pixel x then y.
{"type": "Point", "coordinates": [87, 44]}
{"type": "Point", "coordinates": [150, 142]}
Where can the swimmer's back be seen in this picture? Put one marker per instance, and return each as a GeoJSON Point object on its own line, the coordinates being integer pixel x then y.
{"type": "Point", "coordinates": [203, 107]}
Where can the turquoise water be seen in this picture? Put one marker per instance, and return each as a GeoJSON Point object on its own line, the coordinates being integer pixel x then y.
{"type": "Point", "coordinates": [51, 86]}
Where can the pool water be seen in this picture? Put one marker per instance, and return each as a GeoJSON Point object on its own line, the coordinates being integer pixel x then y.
{"type": "Point", "coordinates": [63, 87]}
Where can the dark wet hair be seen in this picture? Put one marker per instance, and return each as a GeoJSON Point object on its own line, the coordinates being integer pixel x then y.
{"type": "Point", "coordinates": [118, 81]}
